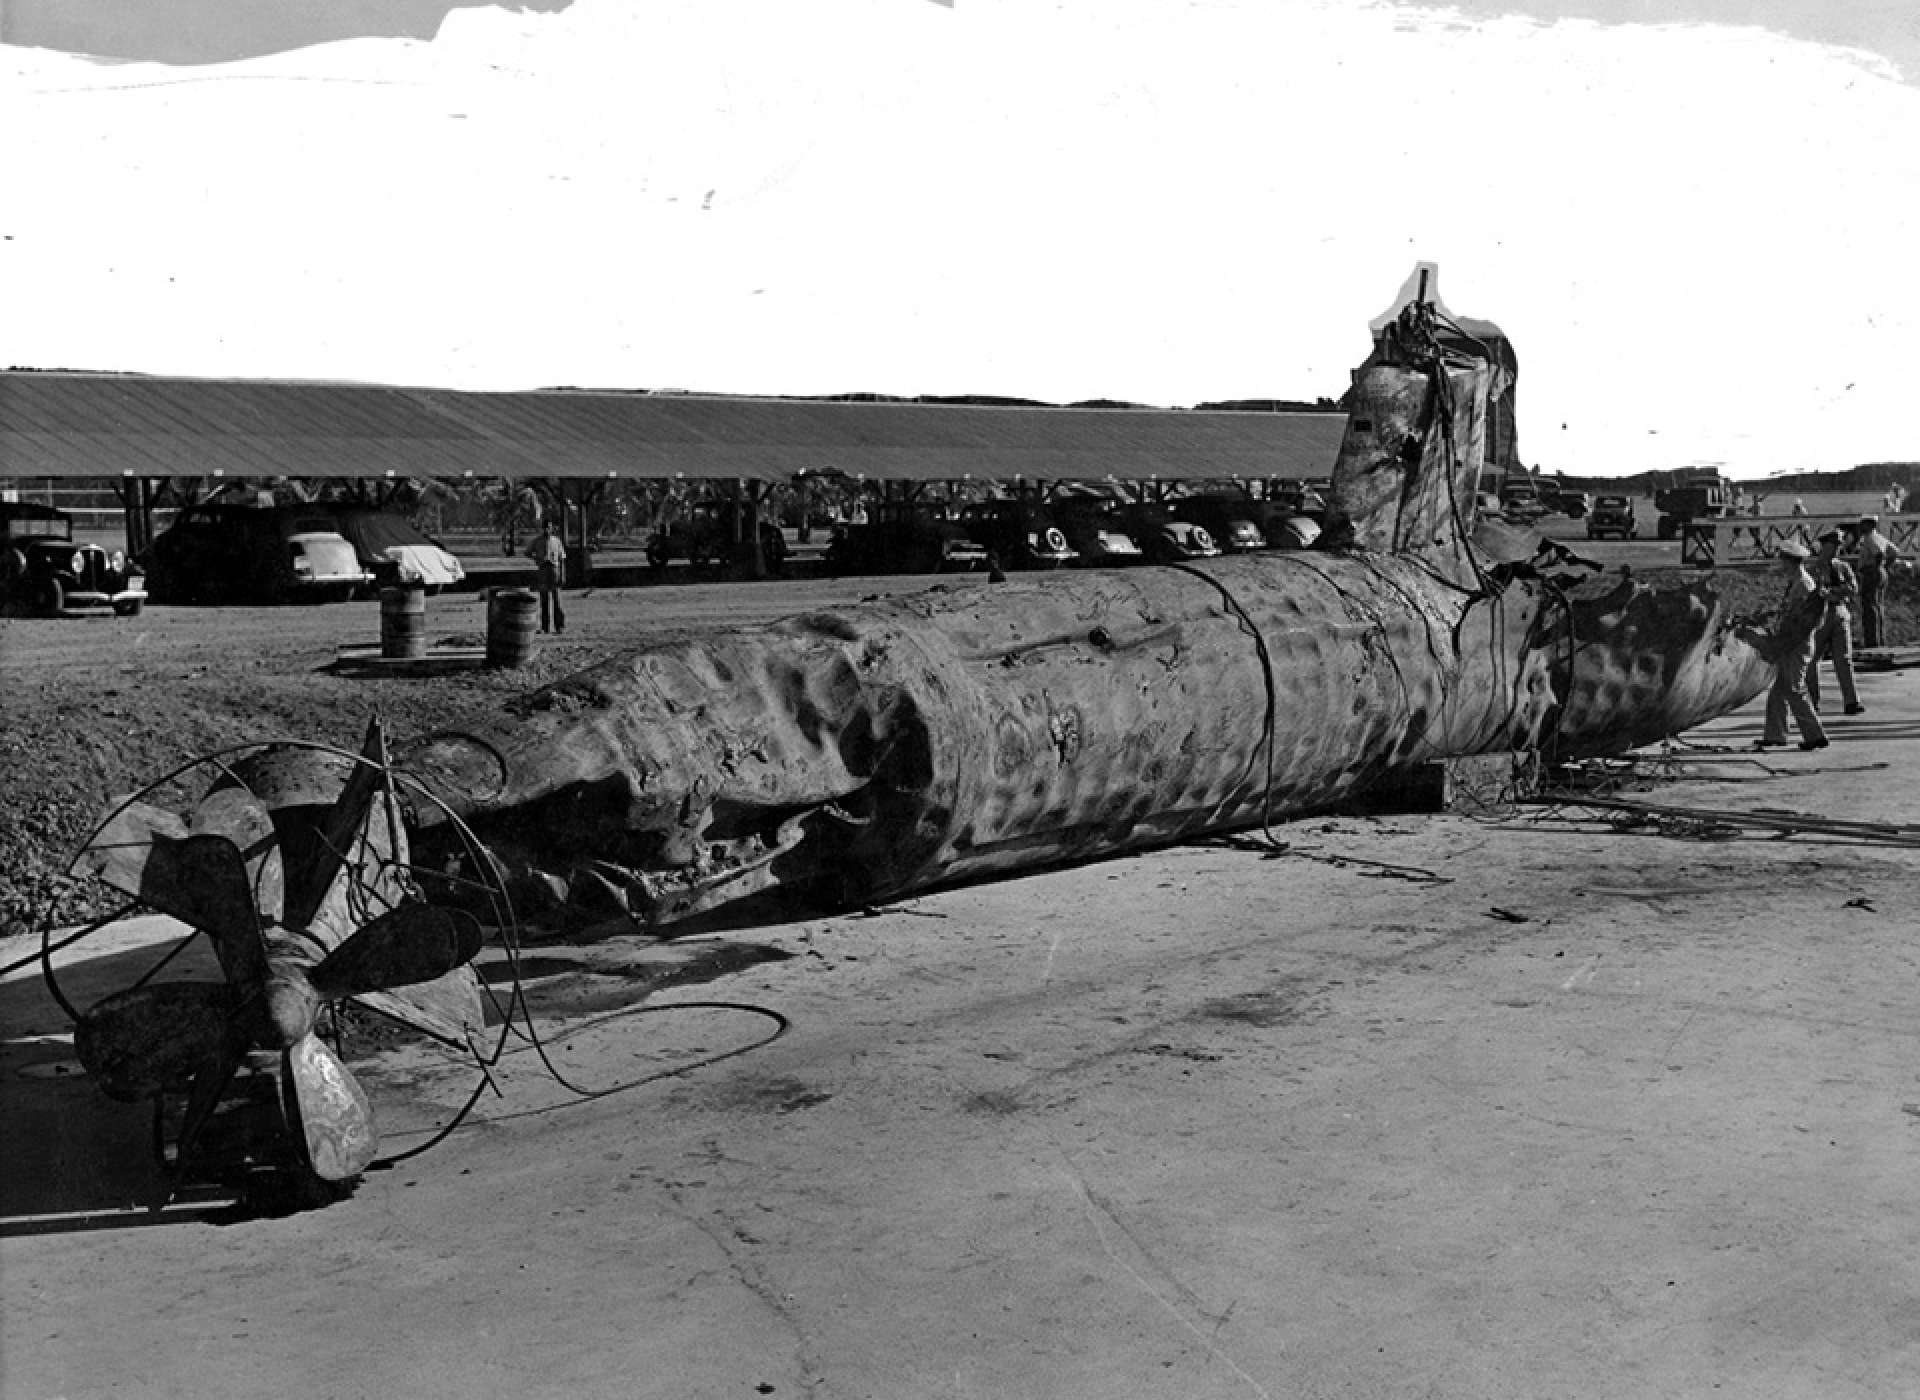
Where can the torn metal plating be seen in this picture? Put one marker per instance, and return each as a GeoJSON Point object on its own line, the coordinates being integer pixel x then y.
{"type": "Point", "coordinates": [974, 730]}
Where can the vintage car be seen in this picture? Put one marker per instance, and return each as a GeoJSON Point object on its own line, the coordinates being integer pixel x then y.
{"type": "Point", "coordinates": [1612, 515]}
{"type": "Point", "coordinates": [902, 537]}
{"type": "Point", "coordinates": [1565, 500]}
{"type": "Point", "coordinates": [254, 554]}
{"type": "Point", "coordinates": [1169, 537]}
{"type": "Point", "coordinates": [1236, 523]}
{"type": "Point", "coordinates": [1018, 534]}
{"type": "Point", "coordinates": [44, 571]}
{"type": "Point", "coordinates": [1291, 498]}
{"type": "Point", "coordinates": [704, 534]}
{"type": "Point", "coordinates": [1520, 501]}
{"type": "Point", "coordinates": [1096, 532]}
{"type": "Point", "coordinates": [1294, 532]}
{"type": "Point", "coordinates": [394, 550]}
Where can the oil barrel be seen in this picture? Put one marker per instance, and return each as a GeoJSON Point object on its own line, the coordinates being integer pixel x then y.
{"type": "Point", "coordinates": [513, 619]}
{"type": "Point", "coordinates": [403, 622]}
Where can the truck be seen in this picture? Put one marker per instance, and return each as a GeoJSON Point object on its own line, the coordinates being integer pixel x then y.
{"type": "Point", "coordinates": [1698, 494]}
{"type": "Point", "coordinates": [1520, 501]}
{"type": "Point", "coordinates": [1613, 515]}
{"type": "Point", "coordinates": [705, 534]}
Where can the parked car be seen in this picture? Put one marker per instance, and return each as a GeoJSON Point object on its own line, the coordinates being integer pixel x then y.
{"type": "Point", "coordinates": [904, 538]}
{"type": "Point", "coordinates": [1520, 501]}
{"type": "Point", "coordinates": [1294, 532]}
{"type": "Point", "coordinates": [1095, 532]}
{"type": "Point", "coordinates": [45, 572]}
{"type": "Point", "coordinates": [394, 550]}
{"type": "Point", "coordinates": [254, 554]}
{"type": "Point", "coordinates": [1019, 534]}
{"type": "Point", "coordinates": [1612, 515]}
{"type": "Point", "coordinates": [1169, 538]}
{"type": "Point", "coordinates": [1236, 523]}
{"type": "Point", "coordinates": [1292, 498]}
{"type": "Point", "coordinates": [704, 535]}
{"type": "Point", "coordinates": [1573, 504]}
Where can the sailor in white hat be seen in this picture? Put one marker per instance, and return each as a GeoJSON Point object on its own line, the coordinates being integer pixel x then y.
{"type": "Point", "coordinates": [1801, 608]}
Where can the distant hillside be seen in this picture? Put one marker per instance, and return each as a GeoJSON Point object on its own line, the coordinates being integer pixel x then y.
{"type": "Point", "coordinates": [1322, 405]}
{"type": "Point", "coordinates": [1871, 476]}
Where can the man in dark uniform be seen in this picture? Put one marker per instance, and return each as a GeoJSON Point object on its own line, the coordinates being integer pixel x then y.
{"type": "Point", "coordinates": [1833, 639]}
{"type": "Point", "coordinates": [1873, 560]}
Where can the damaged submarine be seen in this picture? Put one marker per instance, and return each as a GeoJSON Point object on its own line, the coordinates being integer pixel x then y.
{"type": "Point", "coordinates": [965, 732]}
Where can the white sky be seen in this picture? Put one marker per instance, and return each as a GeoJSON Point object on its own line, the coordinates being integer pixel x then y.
{"type": "Point", "coordinates": [1698, 237]}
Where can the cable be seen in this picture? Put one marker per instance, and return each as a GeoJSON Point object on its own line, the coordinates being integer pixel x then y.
{"type": "Point", "coordinates": [48, 948]}
{"type": "Point", "coordinates": [781, 1026]}
{"type": "Point", "coordinates": [1272, 721]}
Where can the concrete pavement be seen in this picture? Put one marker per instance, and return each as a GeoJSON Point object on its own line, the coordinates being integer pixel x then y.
{"type": "Point", "coordinates": [1534, 1104]}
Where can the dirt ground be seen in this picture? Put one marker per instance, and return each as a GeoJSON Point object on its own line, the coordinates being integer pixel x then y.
{"type": "Point", "coordinates": [1529, 1102]}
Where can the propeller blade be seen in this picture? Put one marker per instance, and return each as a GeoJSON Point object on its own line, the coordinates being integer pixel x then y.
{"type": "Point", "coordinates": [200, 879]}
{"type": "Point", "coordinates": [414, 943]}
{"type": "Point", "coordinates": [356, 866]}
{"type": "Point", "coordinates": [447, 1008]}
{"type": "Point", "coordinates": [336, 1122]}
{"type": "Point", "coordinates": [203, 881]}
{"type": "Point", "coordinates": [118, 852]}
{"type": "Point", "coordinates": [235, 812]}
{"type": "Point", "coordinates": [143, 1041]}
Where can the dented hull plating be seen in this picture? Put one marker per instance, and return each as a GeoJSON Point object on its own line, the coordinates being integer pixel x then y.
{"type": "Point", "coordinates": [977, 730]}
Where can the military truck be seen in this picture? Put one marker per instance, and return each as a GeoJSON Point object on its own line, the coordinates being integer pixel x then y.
{"type": "Point", "coordinates": [1692, 495]}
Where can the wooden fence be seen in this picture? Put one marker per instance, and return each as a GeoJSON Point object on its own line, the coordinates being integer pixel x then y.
{"type": "Point", "coordinates": [1733, 539]}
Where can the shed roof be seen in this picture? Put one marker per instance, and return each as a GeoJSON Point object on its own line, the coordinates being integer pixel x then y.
{"type": "Point", "coordinates": [63, 424]}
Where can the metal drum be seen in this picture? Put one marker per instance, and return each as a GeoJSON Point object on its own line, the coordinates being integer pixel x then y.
{"type": "Point", "coordinates": [513, 619]}
{"type": "Point", "coordinates": [403, 623]}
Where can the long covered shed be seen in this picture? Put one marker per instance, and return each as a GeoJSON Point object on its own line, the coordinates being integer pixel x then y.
{"type": "Point", "coordinates": [140, 430]}
{"type": "Point", "coordinates": [66, 424]}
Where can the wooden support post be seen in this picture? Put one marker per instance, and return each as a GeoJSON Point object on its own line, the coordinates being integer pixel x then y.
{"type": "Point", "coordinates": [750, 522]}
{"type": "Point", "coordinates": [579, 556]}
{"type": "Point", "coordinates": [136, 504]}
{"type": "Point", "coordinates": [1697, 543]}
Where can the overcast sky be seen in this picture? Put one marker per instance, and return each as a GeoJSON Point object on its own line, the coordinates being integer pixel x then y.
{"type": "Point", "coordinates": [1699, 234]}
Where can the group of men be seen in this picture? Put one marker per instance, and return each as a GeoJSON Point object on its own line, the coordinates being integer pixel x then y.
{"type": "Point", "coordinates": [1820, 581]}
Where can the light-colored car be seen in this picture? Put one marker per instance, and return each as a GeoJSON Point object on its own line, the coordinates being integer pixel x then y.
{"type": "Point", "coordinates": [1296, 532]}
{"type": "Point", "coordinates": [1234, 523]}
{"type": "Point", "coordinates": [395, 551]}
{"type": "Point", "coordinates": [1177, 541]}
{"type": "Point", "coordinates": [1097, 533]}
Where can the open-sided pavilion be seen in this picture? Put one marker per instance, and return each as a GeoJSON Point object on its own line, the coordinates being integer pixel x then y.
{"type": "Point", "coordinates": [142, 432]}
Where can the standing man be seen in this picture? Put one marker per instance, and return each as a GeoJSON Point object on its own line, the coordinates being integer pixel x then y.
{"type": "Point", "coordinates": [1873, 560]}
{"type": "Point", "coordinates": [1800, 606]}
{"type": "Point", "coordinates": [549, 555]}
{"type": "Point", "coordinates": [1833, 638]}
